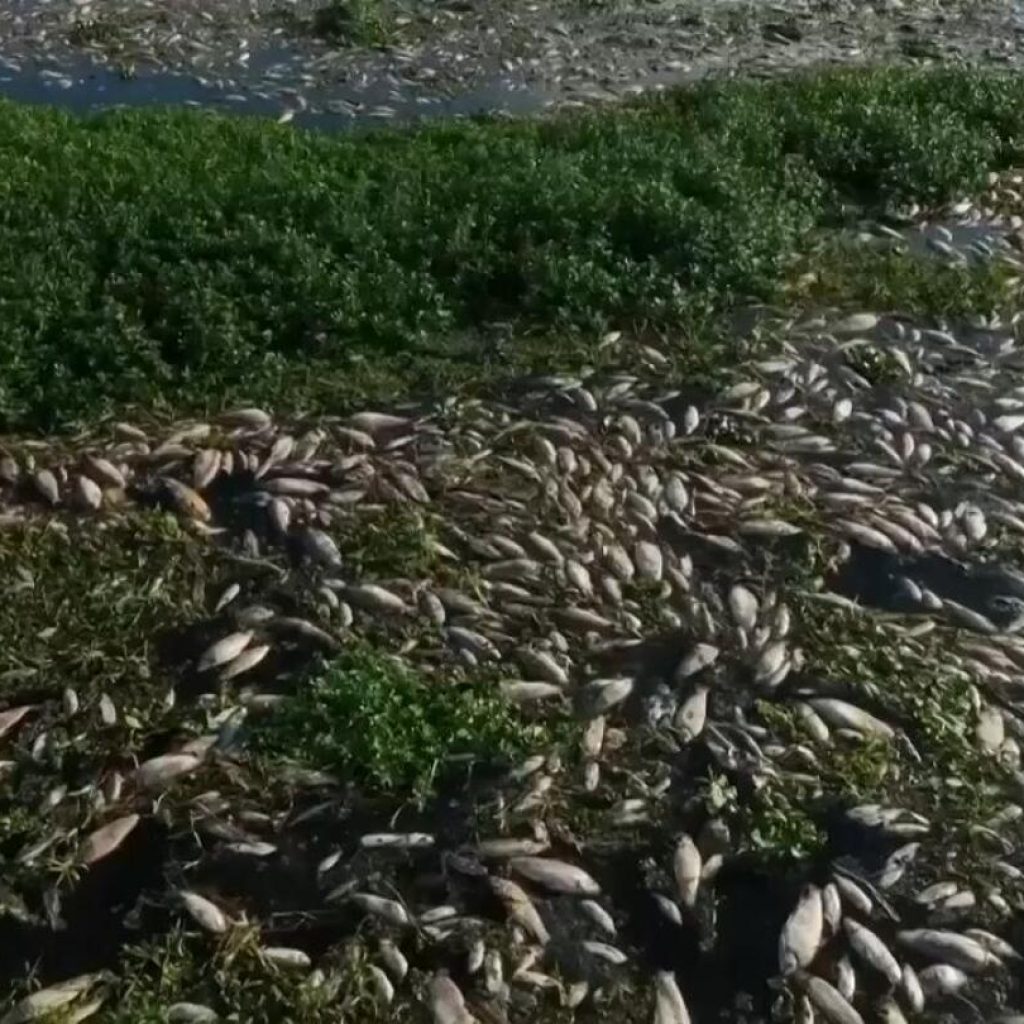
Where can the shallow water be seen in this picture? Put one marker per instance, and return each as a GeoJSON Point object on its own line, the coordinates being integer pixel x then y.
{"type": "Point", "coordinates": [82, 86]}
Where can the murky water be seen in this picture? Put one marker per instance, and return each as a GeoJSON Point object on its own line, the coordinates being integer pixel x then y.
{"type": "Point", "coordinates": [79, 85]}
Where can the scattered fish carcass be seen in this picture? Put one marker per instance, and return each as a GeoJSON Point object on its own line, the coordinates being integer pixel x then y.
{"type": "Point", "coordinates": [619, 557]}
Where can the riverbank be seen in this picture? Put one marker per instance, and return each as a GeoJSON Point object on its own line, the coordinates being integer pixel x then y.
{"type": "Point", "coordinates": [563, 570]}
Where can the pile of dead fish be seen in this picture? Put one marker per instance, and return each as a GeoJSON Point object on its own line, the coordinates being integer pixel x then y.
{"type": "Point", "coordinates": [606, 521]}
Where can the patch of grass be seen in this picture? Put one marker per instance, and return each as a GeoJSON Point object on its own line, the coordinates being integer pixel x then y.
{"type": "Point", "coordinates": [234, 981]}
{"type": "Point", "coordinates": [846, 273]}
{"type": "Point", "coordinates": [237, 983]}
{"type": "Point", "coordinates": [776, 820]}
{"type": "Point", "coordinates": [188, 260]}
{"type": "Point", "coordinates": [395, 541]}
{"type": "Point", "coordinates": [342, 22]}
{"type": "Point", "coordinates": [371, 719]}
{"type": "Point", "coordinates": [913, 683]}
{"type": "Point", "coordinates": [85, 606]}
{"type": "Point", "coordinates": [81, 604]}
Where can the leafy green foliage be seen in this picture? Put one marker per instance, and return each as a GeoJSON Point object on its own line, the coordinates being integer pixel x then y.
{"type": "Point", "coordinates": [373, 719]}
{"type": "Point", "coordinates": [192, 260]}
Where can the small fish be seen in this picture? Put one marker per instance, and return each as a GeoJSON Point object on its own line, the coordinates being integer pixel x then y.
{"type": "Point", "coordinates": [520, 908]}
{"type": "Point", "coordinates": [951, 948]}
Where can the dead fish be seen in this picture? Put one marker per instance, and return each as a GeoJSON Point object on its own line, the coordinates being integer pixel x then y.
{"type": "Point", "coordinates": [696, 660]}
{"type": "Point", "coordinates": [381, 906]}
{"type": "Point", "coordinates": [827, 1000]}
{"type": "Point", "coordinates": [993, 943]}
{"type": "Point", "coordinates": [104, 840]}
{"type": "Point", "coordinates": [394, 960]}
{"type": "Point", "coordinates": [951, 948]}
{"type": "Point", "coordinates": [284, 956]}
{"type": "Point", "coordinates": [191, 1013]}
{"type": "Point", "coordinates": [46, 1002]}
{"type": "Point", "coordinates": [104, 472]}
{"type": "Point", "coordinates": [853, 894]}
{"type": "Point", "coordinates": [47, 486]}
{"type": "Point", "coordinates": [228, 595]}
{"type": "Point", "coordinates": [88, 493]}
{"type": "Point", "coordinates": [599, 916]}
{"type": "Point", "coordinates": [691, 715]}
{"type": "Point", "coordinates": [205, 913]}
{"type": "Point", "coordinates": [185, 501]}
{"type": "Point", "coordinates": [248, 419]}
{"type": "Point", "coordinates": [744, 607]}
{"type": "Point", "coordinates": [556, 875]}
{"type": "Point", "coordinates": [11, 717]}
{"type": "Point", "coordinates": [831, 908]}
{"type": "Point", "coordinates": [842, 715]}
{"type": "Point", "coordinates": [669, 1005]}
{"type": "Point", "coordinates": [520, 908]}
{"type": "Point", "coordinates": [245, 661]}
{"type": "Point", "coordinates": [157, 772]}
{"type": "Point", "coordinates": [224, 650]}
{"type": "Point", "coordinates": [942, 980]}
{"type": "Point", "coordinates": [910, 986]}
{"type": "Point", "coordinates": [601, 695]}
{"type": "Point", "coordinates": [686, 867]}
{"type": "Point", "coordinates": [802, 932]}
{"type": "Point", "coordinates": [603, 951]}
{"type": "Point", "coordinates": [374, 598]}
{"type": "Point", "coordinates": [447, 1004]}
{"type": "Point", "coordinates": [872, 951]}
{"type": "Point", "coordinates": [396, 841]}
{"type": "Point", "coordinates": [320, 547]}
